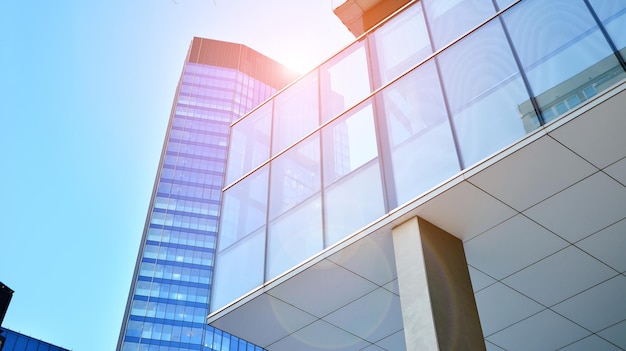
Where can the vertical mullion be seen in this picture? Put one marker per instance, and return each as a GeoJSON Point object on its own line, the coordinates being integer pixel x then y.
{"type": "Point", "coordinates": [443, 91]}
{"type": "Point", "coordinates": [606, 35]}
{"type": "Point", "coordinates": [380, 124]}
{"type": "Point", "coordinates": [520, 68]}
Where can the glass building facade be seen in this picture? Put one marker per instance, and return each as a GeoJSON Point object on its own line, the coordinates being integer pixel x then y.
{"type": "Point", "coordinates": [431, 91]}
{"type": "Point", "coordinates": [19, 342]}
{"type": "Point", "coordinates": [169, 297]}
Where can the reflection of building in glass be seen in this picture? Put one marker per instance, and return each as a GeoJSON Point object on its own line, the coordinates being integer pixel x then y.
{"type": "Point", "coordinates": [572, 92]}
{"type": "Point", "coordinates": [169, 295]}
{"type": "Point", "coordinates": [467, 191]}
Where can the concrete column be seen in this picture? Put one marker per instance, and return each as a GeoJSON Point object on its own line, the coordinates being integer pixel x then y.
{"type": "Point", "coordinates": [438, 307]}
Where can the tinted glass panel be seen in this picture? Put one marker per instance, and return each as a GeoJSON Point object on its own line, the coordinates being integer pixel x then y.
{"type": "Point", "coordinates": [344, 80]}
{"type": "Point", "coordinates": [239, 269]}
{"type": "Point", "coordinates": [353, 202]}
{"type": "Point", "coordinates": [422, 149]}
{"type": "Point", "coordinates": [250, 143]}
{"type": "Point", "coordinates": [401, 43]}
{"type": "Point", "coordinates": [294, 237]}
{"type": "Point", "coordinates": [296, 112]}
{"type": "Point", "coordinates": [349, 143]}
{"type": "Point", "coordinates": [244, 208]}
{"type": "Point", "coordinates": [295, 176]}
{"type": "Point", "coordinates": [612, 13]}
{"type": "Point", "coordinates": [484, 90]}
{"type": "Point", "coordinates": [10, 341]}
{"type": "Point", "coordinates": [504, 3]}
{"type": "Point", "coordinates": [450, 19]}
{"type": "Point", "coordinates": [561, 49]}
{"type": "Point", "coordinates": [21, 342]}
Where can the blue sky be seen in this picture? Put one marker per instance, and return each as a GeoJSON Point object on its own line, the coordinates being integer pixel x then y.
{"type": "Point", "coordinates": [86, 89]}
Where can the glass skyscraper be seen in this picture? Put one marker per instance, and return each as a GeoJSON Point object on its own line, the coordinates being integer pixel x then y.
{"type": "Point", "coordinates": [169, 296]}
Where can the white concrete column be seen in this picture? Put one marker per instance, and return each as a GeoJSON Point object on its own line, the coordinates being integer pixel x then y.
{"type": "Point", "coordinates": [438, 307]}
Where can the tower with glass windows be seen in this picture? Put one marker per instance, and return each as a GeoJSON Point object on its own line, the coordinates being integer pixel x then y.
{"type": "Point", "coordinates": [169, 295]}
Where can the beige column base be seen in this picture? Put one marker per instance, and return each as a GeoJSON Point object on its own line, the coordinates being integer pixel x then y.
{"type": "Point", "coordinates": [438, 307]}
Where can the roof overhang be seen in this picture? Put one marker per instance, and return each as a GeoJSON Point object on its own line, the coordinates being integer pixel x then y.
{"type": "Point", "coordinates": [359, 16]}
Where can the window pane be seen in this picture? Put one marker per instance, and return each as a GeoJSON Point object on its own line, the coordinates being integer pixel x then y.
{"type": "Point", "coordinates": [295, 176]}
{"type": "Point", "coordinates": [296, 112]}
{"type": "Point", "coordinates": [401, 43]}
{"type": "Point", "coordinates": [612, 13]}
{"type": "Point", "coordinates": [353, 202]}
{"type": "Point", "coordinates": [294, 237]}
{"type": "Point", "coordinates": [11, 339]}
{"type": "Point", "coordinates": [422, 148]}
{"type": "Point", "coordinates": [244, 208]}
{"type": "Point", "coordinates": [562, 51]}
{"type": "Point", "coordinates": [450, 19]}
{"type": "Point", "coordinates": [345, 80]}
{"type": "Point", "coordinates": [130, 346]}
{"type": "Point", "coordinates": [32, 345]}
{"type": "Point", "coordinates": [349, 143]}
{"type": "Point", "coordinates": [250, 143]}
{"type": "Point", "coordinates": [503, 3]}
{"type": "Point", "coordinates": [239, 269]}
{"type": "Point", "coordinates": [484, 90]}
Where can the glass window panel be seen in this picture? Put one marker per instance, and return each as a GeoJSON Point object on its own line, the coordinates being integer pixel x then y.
{"type": "Point", "coordinates": [250, 143]}
{"type": "Point", "coordinates": [21, 342]}
{"type": "Point", "coordinates": [32, 345]}
{"type": "Point", "coordinates": [143, 288]}
{"type": "Point", "coordinates": [11, 339]}
{"type": "Point", "coordinates": [294, 237]}
{"type": "Point", "coordinates": [295, 176]}
{"type": "Point", "coordinates": [401, 43]}
{"type": "Point", "coordinates": [504, 3]}
{"type": "Point", "coordinates": [450, 19]}
{"type": "Point", "coordinates": [484, 92]}
{"type": "Point", "coordinates": [353, 202]}
{"type": "Point", "coordinates": [422, 148]}
{"type": "Point", "coordinates": [296, 112]}
{"type": "Point", "coordinates": [349, 143]}
{"type": "Point", "coordinates": [150, 251]}
{"type": "Point", "coordinates": [208, 337]}
{"type": "Point", "coordinates": [239, 269]}
{"type": "Point", "coordinates": [612, 13]}
{"type": "Point", "coordinates": [561, 49]}
{"type": "Point", "coordinates": [244, 208]}
{"type": "Point", "coordinates": [344, 80]}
